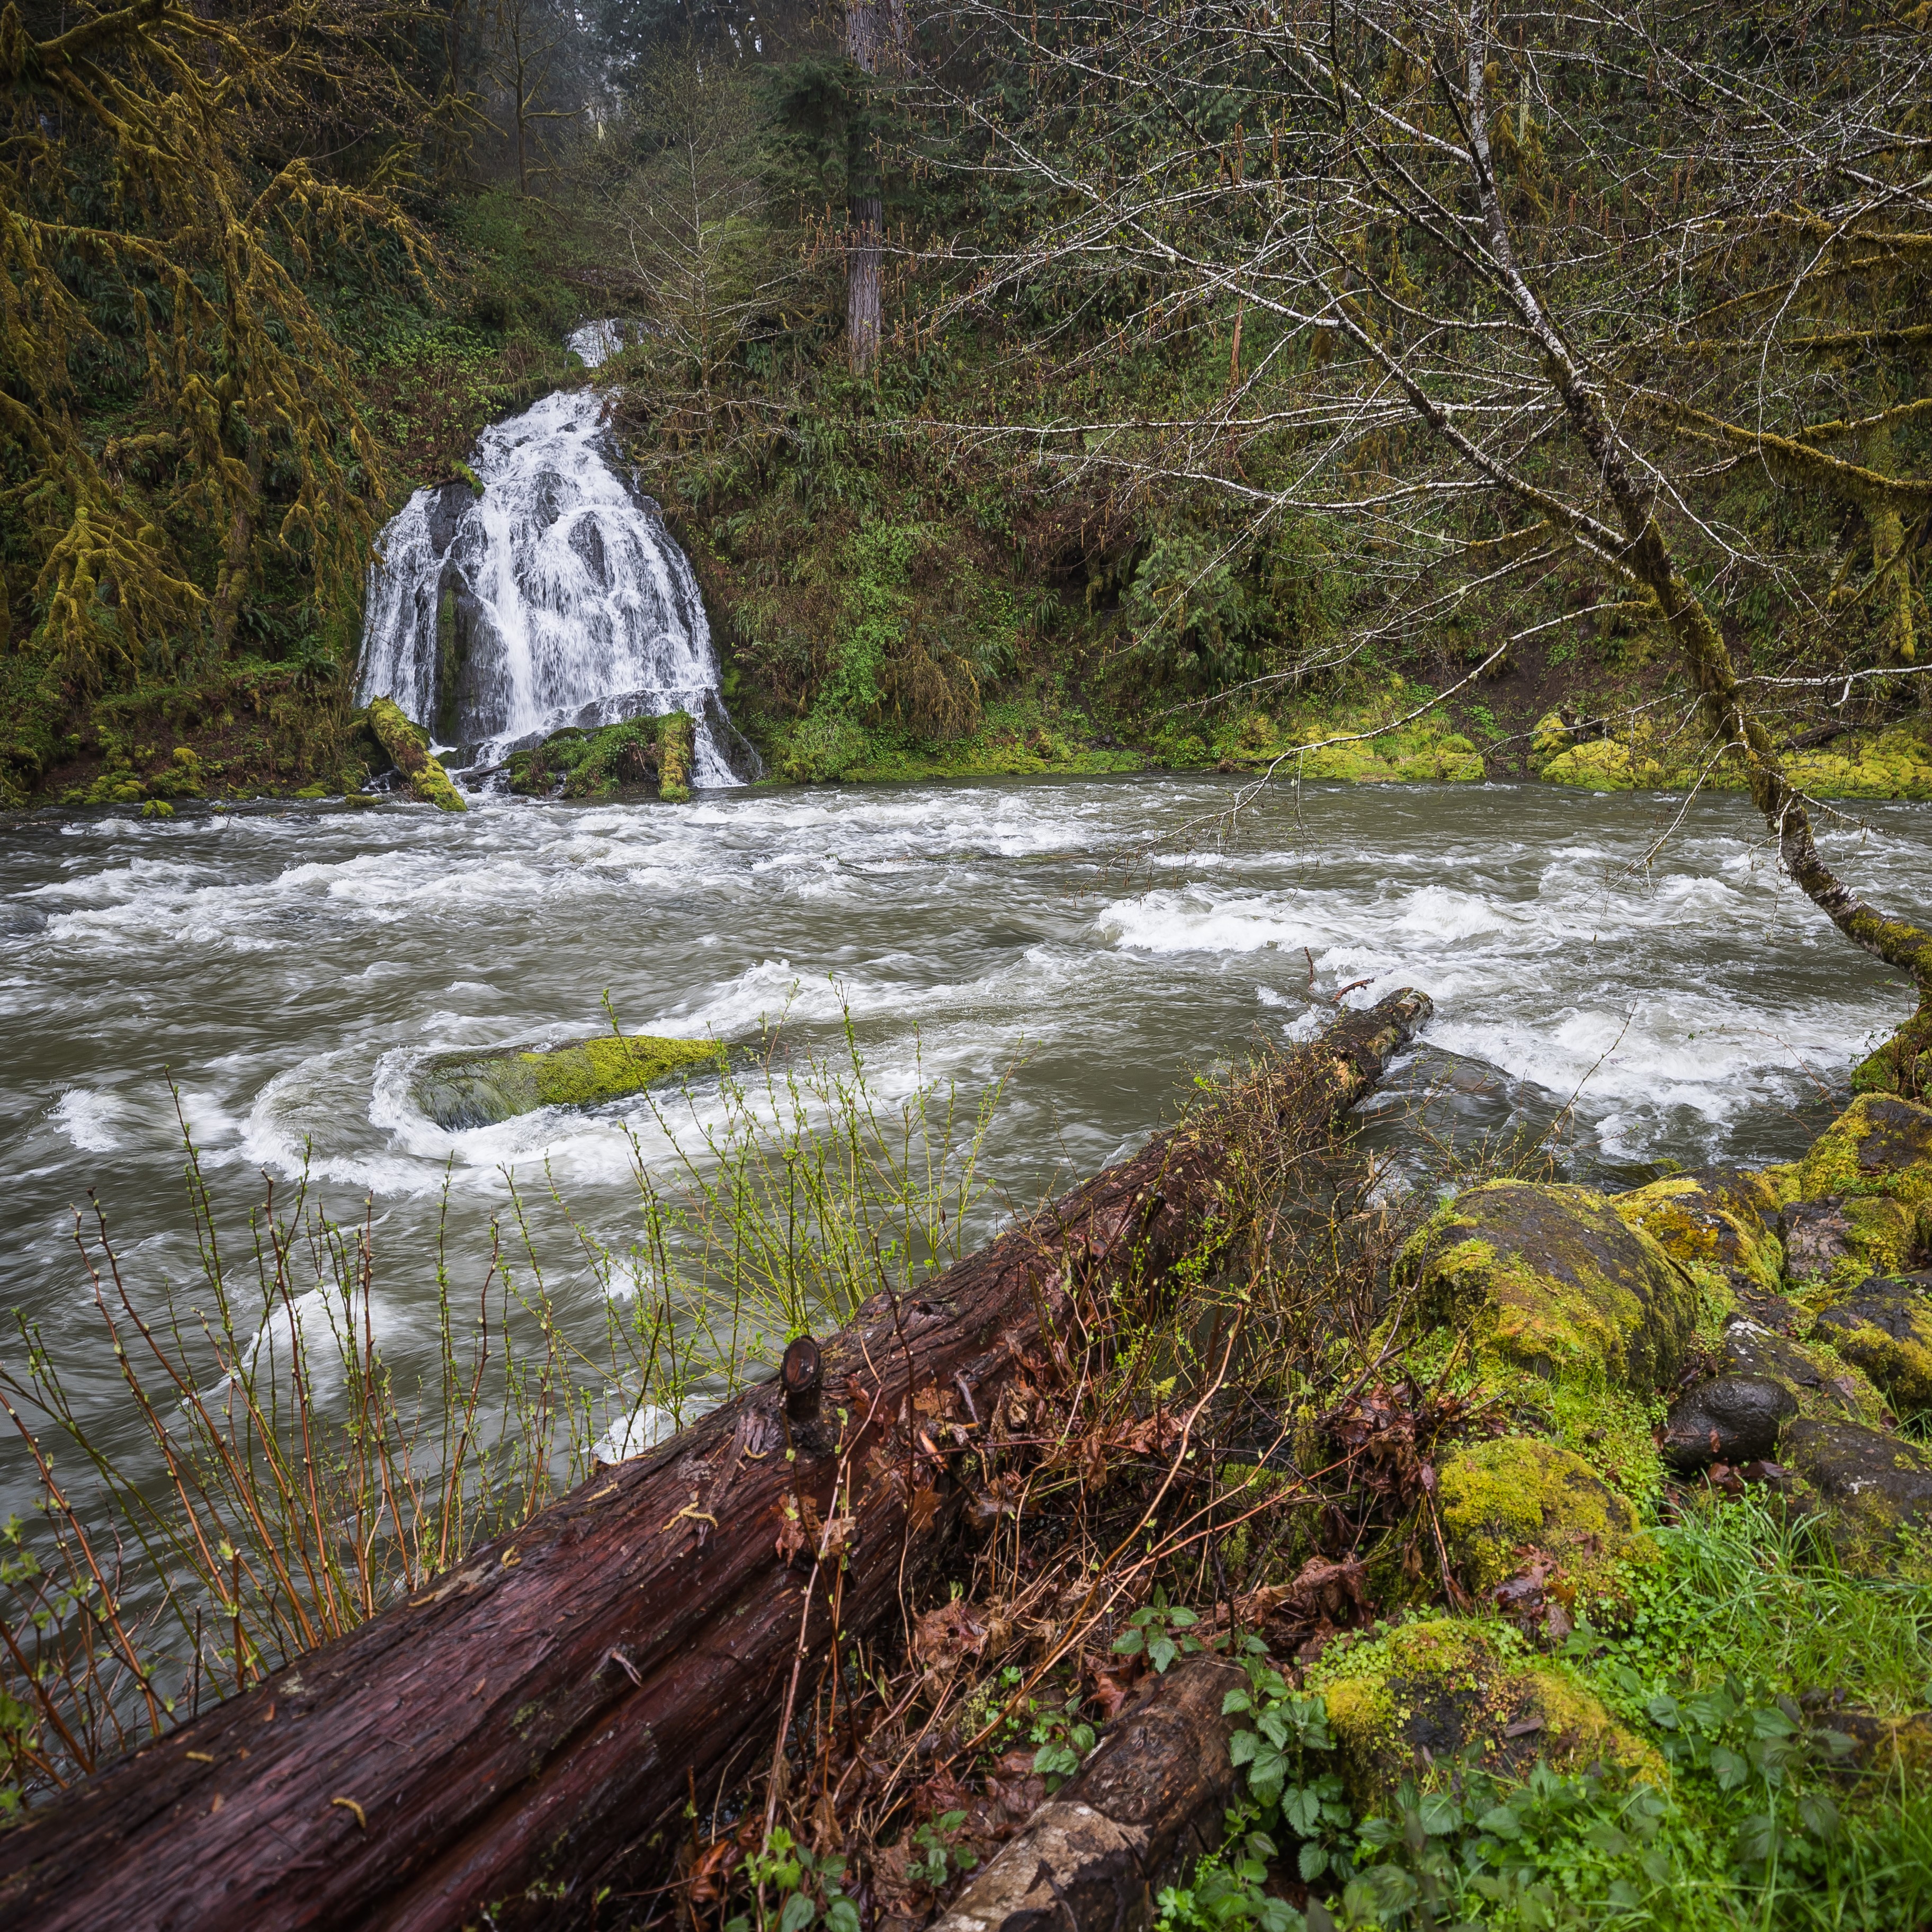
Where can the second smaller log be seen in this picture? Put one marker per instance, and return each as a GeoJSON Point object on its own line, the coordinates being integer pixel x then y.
{"type": "Point", "coordinates": [1149, 1801]}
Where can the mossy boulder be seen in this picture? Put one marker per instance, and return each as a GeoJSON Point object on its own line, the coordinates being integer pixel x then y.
{"type": "Point", "coordinates": [677, 739]}
{"type": "Point", "coordinates": [1826, 1388]}
{"type": "Point", "coordinates": [1720, 1224]}
{"type": "Point", "coordinates": [479, 1087]}
{"type": "Point", "coordinates": [1879, 1145]}
{"type": "Point", "coordinates": [408, 745]}
{"type": "Point", "coordinates": [1886, 1329]}
{"type": "Point", "coordinates": [1903, 1064]}
{"type": "Point", "coordinates": [1551, 1279]}
{"type": "Point", "coordinates": [1500, 1500]}
{"type": "Point", "coordinates": [1870, 1484]}
{"type": "Point", "coordinates": [1419, 1696]}
{"type": "Point", "coordinates": [1831, 1245]}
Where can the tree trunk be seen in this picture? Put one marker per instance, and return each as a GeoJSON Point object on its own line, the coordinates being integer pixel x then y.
{"type": "Point", "coordinates": [863, 252]}
{"type": "Point", "coordinates": [519, 1739]}
{"type": "Point", "coordinates": [865, 214]}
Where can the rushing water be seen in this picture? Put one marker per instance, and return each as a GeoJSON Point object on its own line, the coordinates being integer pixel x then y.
{"type": "Point", "coordinates": [287, 968]}
{"type": "Point", "coordinates": [554, 597]}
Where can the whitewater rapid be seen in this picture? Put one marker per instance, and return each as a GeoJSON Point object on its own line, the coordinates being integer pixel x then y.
{"type": "Point", "coordinates": [287, 969]}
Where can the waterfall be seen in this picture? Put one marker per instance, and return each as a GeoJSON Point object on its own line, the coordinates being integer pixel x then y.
{"type": "Point", "coordinates": [553, 596]}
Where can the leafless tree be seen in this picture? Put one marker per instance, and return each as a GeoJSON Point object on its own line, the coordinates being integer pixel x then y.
{"type": "Point", "coordinates": [1628, 298]}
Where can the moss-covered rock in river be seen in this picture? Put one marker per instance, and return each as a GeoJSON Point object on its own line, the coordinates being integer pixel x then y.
{"type": "Point", "coordinates": [1551, 1279]}
{"type": "Point", "coordinates": [1886, 1329]}
{"type": "Point", "coordinates": [636, 758]}
{"type": "Point", "coordinates": [1870, 1484]}
{"type": "Point", "coordinates": [1424, 1692]}
{"type": "Point", "coordinates": [1499, 1499]}
{"type": "Point", "coordinates": [477, 1087]}
{"type": "Point", "coordinates": [1879, 1145]}
{"type": "Point", "coordinates": [676, 738]}
{"type": "Point", "coordinates": [408, 745]}
{"type": "Point", "coordinates": [1720, 1224]}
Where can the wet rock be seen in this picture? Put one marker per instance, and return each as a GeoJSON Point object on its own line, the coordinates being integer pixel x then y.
{"type": "Point", "coordinates": [1549, 1278]}
{"type": "Point", "coordinates": [1879, 1145]}
{"type": "Point", "coordinates": [1497, 1498]}
{"type": "Point", "coordinates": [1420, 1695]}
{"type": "Point", "coordinates": [1720, 1223]}
{"type": "Point", "coordinates": [1886, 1329]}
{"type": "Point", "coordinates": [1870, 1484]}
{"type": "Point", "coordinates": [479, 1087]}
{"type": "Point", "coordinates": [1734, 1419]}
{"type": "Point", "coordinates": [1841, 1239]}
{"type": "Point", "coordinates": [1824, 1386]}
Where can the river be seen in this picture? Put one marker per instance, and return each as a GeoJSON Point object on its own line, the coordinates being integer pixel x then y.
{"type": "Point", "coordinates": [286, 967]}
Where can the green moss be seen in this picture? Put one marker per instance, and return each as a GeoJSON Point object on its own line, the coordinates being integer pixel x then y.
{"type": "Point", "coordinates": [1419, 1696]}
{"type": "Point", "coordinates": [593, 1070]}
{"type": "Point", "coordinates": [1498, 1497]}
{"type": "Point", "coordinates": [1725, 1237]}
{"type": "Point", "coordinates": [408, 745]}
{"type": "Point", "coordinates": [1551, 1280]}
{"type": "Point", "coordinates": [1893, 763]}
{"type": "Point", "coordinates": [1902, 1064]}
{"type": "Point", "coordinates": [1879, 1145]}
{"type": "Point", "coordinates": [477, 1088]}
{"type": "Point", "coordinates": [1887, 1334]}
{"type": "Point", "coordinates": [675, 734]}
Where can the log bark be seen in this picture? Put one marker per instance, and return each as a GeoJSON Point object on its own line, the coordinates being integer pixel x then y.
{"type": "Point", "coordinates": [519, 1739]}
{"type": "Point", "coordinates": [1149, 1801]}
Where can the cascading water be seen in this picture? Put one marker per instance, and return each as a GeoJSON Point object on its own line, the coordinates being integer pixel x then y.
{"type": "Point", "coordinates": [555, 597]}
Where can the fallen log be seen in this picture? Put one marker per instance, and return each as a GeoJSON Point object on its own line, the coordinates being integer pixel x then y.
{"type": "Point", "coordinates": [1149, 1801]}
{"type": "Point", "coordinates": [518, 1741]}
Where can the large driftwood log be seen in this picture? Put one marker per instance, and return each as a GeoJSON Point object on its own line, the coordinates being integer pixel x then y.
{"type": "Point", "coordinates": [1148, 1802]}
{"type": "Point", "coordinates": [515, 1744]}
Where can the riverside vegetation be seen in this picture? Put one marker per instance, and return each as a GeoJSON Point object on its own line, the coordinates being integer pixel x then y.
{"type": "Point", "coordinates": [1576, 1544]}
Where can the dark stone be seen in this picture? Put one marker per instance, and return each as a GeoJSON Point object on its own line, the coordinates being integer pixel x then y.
{"type": "Point", "coordinates": [447, 504]}
{"type": "Point", "coordinates": [1871, 1485]}
{"type": "Point", "coordinates": [1817, 1236]}
{"type": "Point", "coordinates": [1739, 1191]}
{"type": "Point", "coordinates": [1898, 1135]}
{"type": "Point", "coordinates": [1886, 1329]}
{"type": "Point", "coordinates": [1750, 1349]}
{"type": "Point", "coordinates": [1734, 1419]}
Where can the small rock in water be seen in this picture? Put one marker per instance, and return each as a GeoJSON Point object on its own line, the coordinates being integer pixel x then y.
{"type": "Point", "coordinates": [1734, 1419]}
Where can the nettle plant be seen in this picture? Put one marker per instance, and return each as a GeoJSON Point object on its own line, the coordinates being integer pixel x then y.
{"type": "Point", "coordinates": [1288, 1725]}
